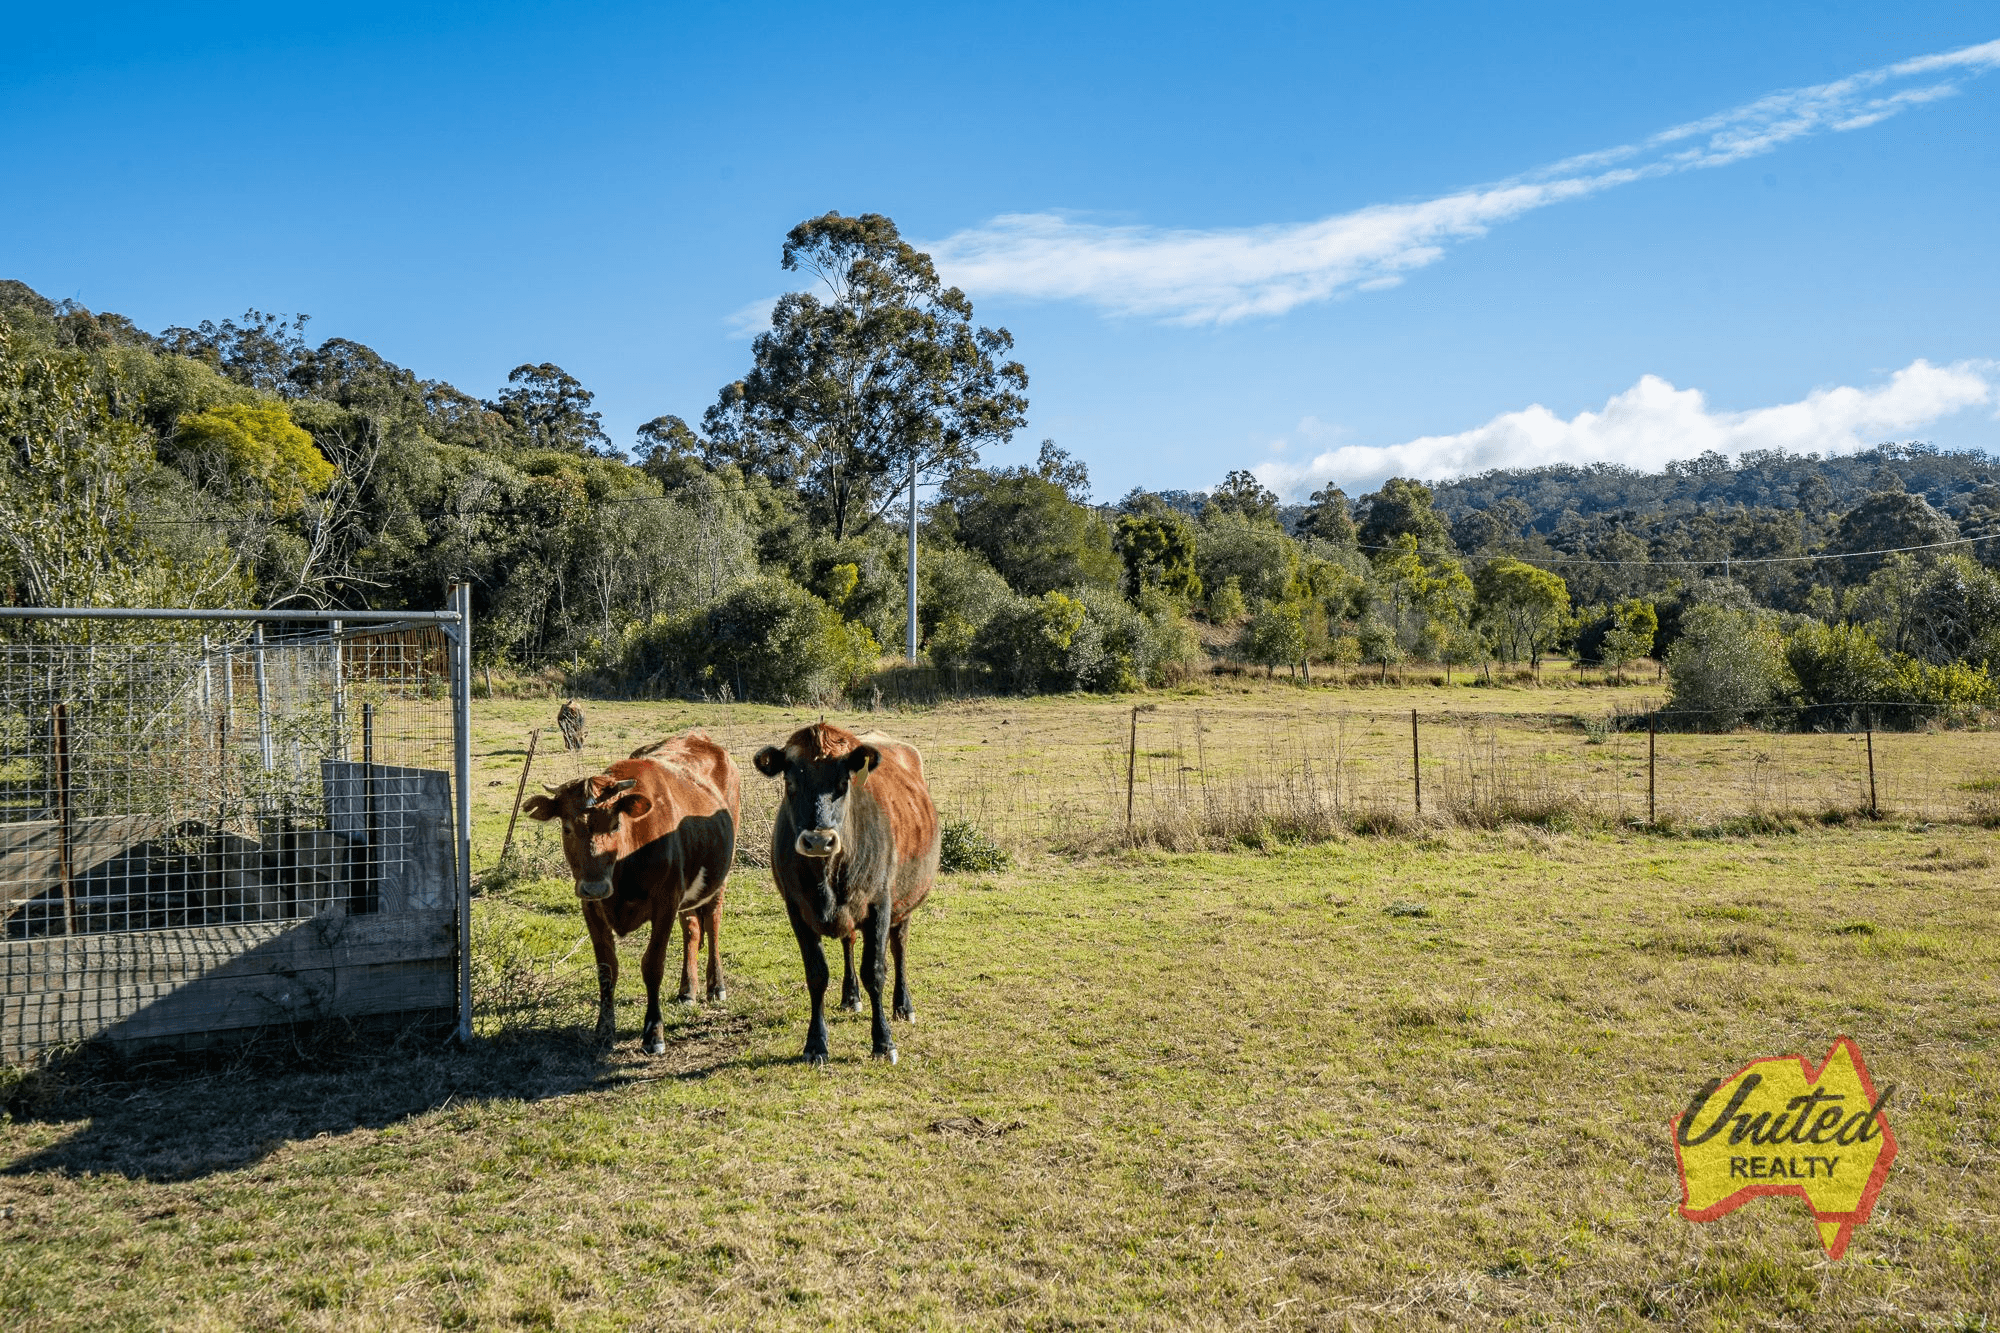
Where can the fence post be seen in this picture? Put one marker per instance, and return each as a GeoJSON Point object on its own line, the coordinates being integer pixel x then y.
{"type": "Point", "coordinates": [339, 696]}
{"type": "Point", "coordinates": [263, 703]}
{"type": "Point", "coordinates": [65, 821]}
{"type": "Point", "coordinates": [1872, 809]}
{"type": "Point", "coordinates": [520, 789]}
{"type": "Point", "coordinates": [1131, 767]}
{"type": "Point", "coordinates": [371, 892]}
{"type": "Point", "coordinates": [1416, 763]}
{"type": "Point", "coordinates": [1652, 765]}
{"type": "Point", "coordinates": [461, 726]}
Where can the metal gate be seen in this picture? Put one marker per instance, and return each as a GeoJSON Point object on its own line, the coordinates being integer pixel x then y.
{"type": "Point", "coordinates": [216, 821]}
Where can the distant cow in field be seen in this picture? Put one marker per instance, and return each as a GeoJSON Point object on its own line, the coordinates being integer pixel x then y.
{"type": "Point", "coordinates": [651, 839]}
{"type": "Point", "coordinates": [854, 848]}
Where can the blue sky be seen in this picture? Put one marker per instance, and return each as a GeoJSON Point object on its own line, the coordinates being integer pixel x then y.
{"type": "Point", "coordinates": [1328, 242]}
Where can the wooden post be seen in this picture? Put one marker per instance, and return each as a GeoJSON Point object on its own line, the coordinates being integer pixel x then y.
{"type": "Point", "coordinates": [1131, 767]}
{"type": "Point", "coordinates": [1652, 765]}
{"type": "Point", "coordinates": [65, 822]}
{"type": "Point", "coordinates": [520, 789]}
{"type": "Point", "coordinates": [1872, 810]}
{"type": "Point", "coordinates": [1416, 762]}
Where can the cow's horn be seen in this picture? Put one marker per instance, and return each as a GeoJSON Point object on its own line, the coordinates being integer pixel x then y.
{"type": "Point", "coordinates": [553, 791]}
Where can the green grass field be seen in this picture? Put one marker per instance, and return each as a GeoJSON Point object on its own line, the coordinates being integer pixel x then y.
{"type": "Point", "coordinates": [1413, 1081]}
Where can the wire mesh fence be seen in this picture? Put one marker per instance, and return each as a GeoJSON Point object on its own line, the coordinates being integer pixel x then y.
{"type": "Point", "coordinates": [173, 803]}
{"type": "Point", "coordinates": [1078, 772]}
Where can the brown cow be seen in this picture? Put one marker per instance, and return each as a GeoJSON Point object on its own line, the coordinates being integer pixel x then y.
{"type": "Point", "coordinates": [651, 839]}
{"type": "Point", "coordinates": [854, 847]}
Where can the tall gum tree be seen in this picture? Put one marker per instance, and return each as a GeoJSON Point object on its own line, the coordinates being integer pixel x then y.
{"type": "Point", "coordinates": [878, 366]}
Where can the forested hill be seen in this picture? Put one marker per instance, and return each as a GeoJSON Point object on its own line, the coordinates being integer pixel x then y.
{"type": "Point", "coordinates": [1771, 479]}
{"type": "Point", "coordinates": [757, 552]}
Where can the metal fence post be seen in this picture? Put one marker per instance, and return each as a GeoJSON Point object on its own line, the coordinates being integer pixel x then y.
{"type": "Point", "coordinates": [520, 790]}
{"type": "Point", "coordinates": [1873, 810]}
{"type": "Point", "coordinates": [461, 746]}
{"type": "Point", "coordinates": [1652, 765]}
{"type": "Point", "coordinates": [65, 816]}
{"type": "Point", "coordinates": [263, 703]}
{"type": "Point", "coordinates": [1416, 763]}
{"type": "Point", "coordinates": [1131, 766]}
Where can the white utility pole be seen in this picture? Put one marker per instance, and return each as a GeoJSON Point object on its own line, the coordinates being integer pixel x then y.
{"type": "Point", "coordinates": [913, 558]}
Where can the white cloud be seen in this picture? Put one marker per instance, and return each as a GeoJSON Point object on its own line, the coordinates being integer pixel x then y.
{"type": "Point", "coordinates": [1215, 276]}
{"type": "Point", "coordinates": [1653, 422]}
{"type": "Point", "coordinates": [750, 319]}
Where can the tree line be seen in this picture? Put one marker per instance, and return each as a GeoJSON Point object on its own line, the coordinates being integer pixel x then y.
{"type": "Point", "coordinates": [757, 551]}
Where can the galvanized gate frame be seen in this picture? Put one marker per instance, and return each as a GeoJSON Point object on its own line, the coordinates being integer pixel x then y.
{"type": "Point", "coordinates": [455, 622]}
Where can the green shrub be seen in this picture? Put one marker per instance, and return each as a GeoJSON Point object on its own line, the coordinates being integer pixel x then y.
{"type": "Point", "coordinates": [769, 639]}
{"type": "Point", "coordinates": [965, 847]}
{"type": "Point", "coordinates": [1726, 666]}
{"type": "Point", "coordinates": [1836, 667]}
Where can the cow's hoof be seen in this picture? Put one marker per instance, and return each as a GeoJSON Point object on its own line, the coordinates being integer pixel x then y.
{"type": "Point", "coordinates": [656, 1046]}
{"type": "Point", "coordinates": [815, 1058]}
{"type": "Point", "coordinates": [718, 996]}
{"type": "Point", "coordinates": [684, 999]}
{"type": "Point", "coordinates": [605, 1034]}
{"type": "Point", "coordinates": [889, 1055]}
{"type": "Point", "coordinates": [907, 1015]}
{"type": "Point", "coordinates": [851, 1006]}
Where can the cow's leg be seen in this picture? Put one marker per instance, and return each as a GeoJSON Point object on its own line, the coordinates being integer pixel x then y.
{"type": "Point", "coordinates": [850, 989]}
{"type": "Point", "coordinates": [690, 955]}
{"type": "Point", "coordinates": [815, 960]}
{"type": "Point", "coordinates": [653, 967]}
{"type": "Point", "coordinates": [899, 937]}
{"type": "Point", "coordinates": [712, 927]}
{"type": "Point", "coordinates": [874, 973]}
{"type": "Point", "coordinates": [604, 944]}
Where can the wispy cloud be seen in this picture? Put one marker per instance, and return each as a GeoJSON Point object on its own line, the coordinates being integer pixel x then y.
{"type": "Point", "coordinates": [750, 319]}
{"type": "Point", "coordinates": [1194, 277]}
{"type": "Point", "coordinates": [1653, 422]}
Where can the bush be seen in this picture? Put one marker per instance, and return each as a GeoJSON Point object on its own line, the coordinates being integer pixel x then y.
{"type": "Point", "coordinates": [1091, 639]}
{"type": "Point", "coordinates": [769, 639]}
{"type": "Point", "coordinates": [965, 846]}
{"type": "Point", "coordinates": [1727, 665]}
{"type": "Point", "coordinates": [1225, 602]}
{"type": "Point", "coordinates": [1834, 668]}
{"type": "Point", "coordinates": [1029, 642]}
{"type": "Point", "coordinates": [957, 593]}
{"type": "Point", "coordinates": [1274, 636]}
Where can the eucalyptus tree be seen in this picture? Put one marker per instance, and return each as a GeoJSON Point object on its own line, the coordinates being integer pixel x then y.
{"type": "Point", "coordinates": [877, 370]}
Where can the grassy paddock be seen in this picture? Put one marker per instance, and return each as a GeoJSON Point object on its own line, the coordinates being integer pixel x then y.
{"type": "Point", "coordinates": [1246, 760]}
{"type": "Point", "coordinates": [1389, 1082]}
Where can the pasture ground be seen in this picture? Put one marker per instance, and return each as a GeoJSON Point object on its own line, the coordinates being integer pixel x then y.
{"type": "Point", "coordinates": [1418, 1081]}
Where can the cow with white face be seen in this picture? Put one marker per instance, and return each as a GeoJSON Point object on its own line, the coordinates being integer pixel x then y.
{"type": "Point", "coordinates": [854, 849]}
{"type": "Point", "coordinates": [649, 840]}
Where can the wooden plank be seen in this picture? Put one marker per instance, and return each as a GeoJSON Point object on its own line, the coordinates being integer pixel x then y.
{"type": "Point", "coordinates": [31, 851]}
{"type": "Point", "coordinates": [175, 957]}
{"type": "Point", "coordinates": [407, 813]}
{"type": "Point", "coordinates": [151, 1011]}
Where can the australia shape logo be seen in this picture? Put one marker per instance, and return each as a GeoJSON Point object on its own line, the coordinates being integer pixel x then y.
{"type": "Point", "coordinates": [1778, 1126]}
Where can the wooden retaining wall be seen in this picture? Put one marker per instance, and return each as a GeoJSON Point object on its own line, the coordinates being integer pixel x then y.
{"type": "Point", "coordinates": [350, 920]}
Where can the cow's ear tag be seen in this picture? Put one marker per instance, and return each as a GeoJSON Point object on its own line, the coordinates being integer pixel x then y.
{"type": "Point", "coordinates": [861, 761]}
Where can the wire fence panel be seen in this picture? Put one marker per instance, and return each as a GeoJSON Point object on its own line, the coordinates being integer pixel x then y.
{"type": "Point", "coordinates": [176, 806]}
